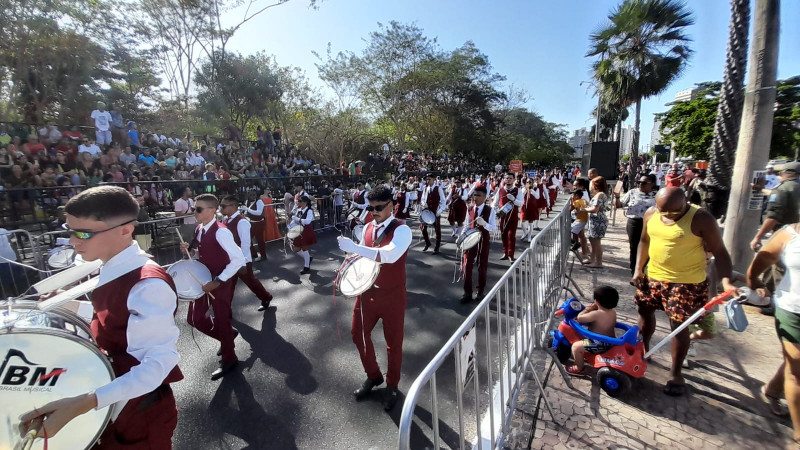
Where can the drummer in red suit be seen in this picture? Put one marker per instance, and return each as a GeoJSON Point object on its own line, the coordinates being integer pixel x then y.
{"type": "Point", "coordinates": [401, 202]}
{"type": "Point", "coordinates": [255, 214]}
{"type": "Point", "coordinates": [552, 190]}
{"type": "Point", "coordinates": [529, 213]}
{"type": "Point", "coordinates": [240, 228]}
{"type": "Point", "coordinates": [386, 240]}
{"type": "Point", "coordinates": [544, 199]}
{"type": "Point", "coordinates": [458, 206]}
{"type": "Point", "coordinates": [218, 251]}
{"type": "Point", "coordinates": [305, 217]}
{"type": "Point", "coordinates": [508, 193]}
{"type": "Point", "coordinates": [433, 199]}
{"type": "Point", "coordinates": [360, 202]}
{"type": "Point", "coordinates": [132, 320]}
{"type": "Point", "coordinates": [481, 216]}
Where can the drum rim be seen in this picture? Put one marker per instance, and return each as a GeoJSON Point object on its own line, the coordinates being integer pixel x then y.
{"type": "Point", "coordinates": [429, 212]}
{"type": "Point", "coordinates": [89, 344]}
{"type": "Point", "coordinates": [61, 249]}
{"type": "Point", "coordinates": [348, 262]}
{"type": "Point", "coordinates": [185, 261]}
{"type": "Point", "coordinates": [465, 238]}
{"type": "Point", "coordinates": [31, 305]}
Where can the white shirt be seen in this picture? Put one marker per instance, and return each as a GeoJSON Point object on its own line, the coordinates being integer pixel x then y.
{"type": "Point", "coordinates": [394, 250]}
{"type": "Point", "coordinates": [337, 197]}
{"type": "Point", "coordinates": [787, 295]}
{"type": "Point", "coordinates": [517, 200]}
{"type": "Point", "coordinates": [442, 203]}
{"type": "Point", "coordinates": [151, 332]}
{"type": "Point", "coordinates": [102, 119]}
{"type": "Point", "coordinates": [93, 149]}
{"type": "Point", "coordinates": [128, 158]}
{"type": "Point", "coordinates": [185, 208]}
{"type": "Point", "coordinates": [243, 229]}
{"type": "Point", "coordinates": [235, 254]}
{"type": "Point", "coordinates": [259, 208]}
{"type": "Point", "coordinates": [491, 224]}
{"type": "Point", "coordinates": [303, 217]}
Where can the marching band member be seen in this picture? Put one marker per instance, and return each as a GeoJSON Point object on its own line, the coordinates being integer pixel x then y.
{"type": "Point", "coordinates": [299, 192]}
{"type": "Point", "coordinates": [544, 199]}
{"type": "Point", "coordinates": [433, 198]}
{"type": "Point", "coordinates": [304, 216]}
{"type": "Point", "coordinates": [386, 240]}
{"type": "Point", "coordinates": [529, 213]}
{"type": "Point", "coordinates": [218, 251]}
{"type": "Point", "coordinates": [258, 227]}
{"type": "Point", "coordinates": [508, 193]}
{"type": "Point", "coordinates": [421, 185]}
{"type": "Point", "coordinates": [552, 190]}
{"type": "Point", "coordinates": [360, 202]}
{"type": "Point", "coordinates": [240, 228]}
{"type": "Point", "coordinates": [132, 320]}
{"type": "Point", "coordinates": [480, 216]}
{"type": "Point", "coordinates": [401, 202]}
{"type": "Point", "coordinates": [458, 206]}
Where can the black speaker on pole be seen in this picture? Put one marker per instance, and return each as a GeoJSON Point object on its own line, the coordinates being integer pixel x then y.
{"type": "Point", "coordinates": [603, 156]}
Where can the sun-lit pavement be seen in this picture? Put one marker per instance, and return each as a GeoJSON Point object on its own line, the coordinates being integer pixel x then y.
{"type": "Point", "coordinates": [722, 408]}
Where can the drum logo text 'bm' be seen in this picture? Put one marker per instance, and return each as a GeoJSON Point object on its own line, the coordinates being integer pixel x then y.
{"type": "Point", "coordinates": [29, 373]}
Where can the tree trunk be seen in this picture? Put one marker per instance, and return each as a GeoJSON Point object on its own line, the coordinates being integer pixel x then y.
{"type": "Point", "coordinates": [635, 147]}
{"type": "Point", "coordinates": [752, 153]}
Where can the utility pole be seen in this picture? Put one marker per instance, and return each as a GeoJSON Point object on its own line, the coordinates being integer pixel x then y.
{"type": "Point", "coordinates": [752, 151]}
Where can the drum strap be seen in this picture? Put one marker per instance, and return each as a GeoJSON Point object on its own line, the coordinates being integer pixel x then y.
{"type": "Point", "coordinates": [389, 228]}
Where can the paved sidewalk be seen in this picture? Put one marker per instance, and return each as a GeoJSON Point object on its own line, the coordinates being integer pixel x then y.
{"type": "Point", "coordinates": [722, 408]}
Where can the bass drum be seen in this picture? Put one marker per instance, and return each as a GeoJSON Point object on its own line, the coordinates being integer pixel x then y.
{"type": "Point", "coordinates": [189, 277]}
{"type": "Point", "coordinates": [47, 356]}
{"type": "Point", "coordinates": [356, 275]}
{"type": "Point", "coordinates": [468, 239]}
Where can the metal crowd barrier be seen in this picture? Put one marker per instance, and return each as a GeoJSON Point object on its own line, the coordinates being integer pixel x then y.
{"type": "Point", "coordinates": [22, 262]}
{"type": "Point", "coordinates": [491, 353]}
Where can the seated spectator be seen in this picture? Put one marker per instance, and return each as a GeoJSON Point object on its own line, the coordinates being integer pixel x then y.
{"type": "Point", "coordinates": [146, 159]}
{"type": "Point", "coordinates": [116, 174]}
{"type": "Point", "coordinates": [210, 173]}
{"type": "Point", "coordinates": [64, 166]}
{"type": "Point", "coordinates": [88, 146]}
{"type": "Point", "coordinates": [170, 159]}
{"type": "Point", "coordinates": [181, 173]}
{"type": "Point", "coordinates": [73, 134]}
{"type": "Point", "coordinates": [48, 178]}
{"type": "Point", "coordinates": [34, 149]}
{"type": "Point", "coordinates": [49, 134]}
{"type": "Point", "coordinates": [196, 174]}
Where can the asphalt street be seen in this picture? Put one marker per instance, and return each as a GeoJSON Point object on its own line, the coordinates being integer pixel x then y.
{"type": "Point", "coordinates": [298, 364]}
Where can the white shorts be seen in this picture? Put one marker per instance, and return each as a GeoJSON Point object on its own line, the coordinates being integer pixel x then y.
{"type": "Point", "coordinates": [103, 137]}
{"type": "Point", "coordinates": [577, 227]}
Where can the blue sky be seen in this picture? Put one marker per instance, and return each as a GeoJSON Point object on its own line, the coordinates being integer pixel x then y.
{"type": "Point", "coordinates": [538, 45]}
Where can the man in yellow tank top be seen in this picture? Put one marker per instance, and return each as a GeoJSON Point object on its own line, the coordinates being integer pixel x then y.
{"type": "Point", "coordinates": [674, 240]}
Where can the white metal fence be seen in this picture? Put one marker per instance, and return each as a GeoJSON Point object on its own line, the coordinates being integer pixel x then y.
{"type": "Point", "coordinates": [465, 397]}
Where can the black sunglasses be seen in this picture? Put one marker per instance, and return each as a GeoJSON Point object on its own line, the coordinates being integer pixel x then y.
{"type": "Point", "coordinates": [199, 209]}
{"type": "Point", "coordinates": [643, 181]}
{"type": "Point", "coordinates": [378, 208]}
{"type": "Point", "coordinates": [85, 234]}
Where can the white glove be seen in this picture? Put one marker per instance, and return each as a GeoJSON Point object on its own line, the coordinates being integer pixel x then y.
{"type": "Point", "coordinates": [480, 222]}
{"type": "Point", "coordinates": [346, 244]}
{"type": "Point", "coordinates": [511, 197]}
{"type": "Point", "coordinates": [405, 210]}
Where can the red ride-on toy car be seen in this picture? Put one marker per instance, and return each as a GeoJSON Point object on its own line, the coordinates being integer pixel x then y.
{"type": "Point", "coordinates": [616, 366]}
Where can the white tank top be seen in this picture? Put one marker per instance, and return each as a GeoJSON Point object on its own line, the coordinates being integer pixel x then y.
{"type": "Point", "coordinates": [787, 296]}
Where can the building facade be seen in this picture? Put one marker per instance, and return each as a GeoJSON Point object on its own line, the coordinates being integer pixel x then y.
{"type": "Point", "coordinates": [578, 139]}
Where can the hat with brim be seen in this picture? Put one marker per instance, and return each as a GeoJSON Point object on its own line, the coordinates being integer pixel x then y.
{"type": "Point", "coordinates": [793, 166]}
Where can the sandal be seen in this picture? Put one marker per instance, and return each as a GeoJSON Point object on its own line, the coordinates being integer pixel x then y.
{"type": "Point", "coordinates": [586, 261]}
{"type": "Point", "coordinates": [573, 370]}
{"type": "Point", "coordinates": [775, 405]}
{"type": "Point", "coordinates": [674, 389]}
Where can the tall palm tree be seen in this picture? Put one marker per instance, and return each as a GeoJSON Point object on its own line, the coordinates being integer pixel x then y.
{"type": "Point", "coordinates": [716, 187]}
{"type": "Point", "coordinates": [644, 48]}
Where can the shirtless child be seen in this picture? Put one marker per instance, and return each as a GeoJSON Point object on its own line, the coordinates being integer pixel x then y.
{"type": "Point", "coordinates": [601, 319]}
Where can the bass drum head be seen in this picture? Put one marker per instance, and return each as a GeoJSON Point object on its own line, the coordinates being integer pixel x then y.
{"type": "Point", "coordinates": [186, 284]}
{"type": "Point", "coordinates": [40, 366]}
{"type": "Point", "coordinates": [428, 217]}
{"type": "Point", "coordinates": [61, 257]}
{"type": "Point", "coordinates": [294, 231]}
{"type": "Point", "coordinates": [357, 275]}
{"type": "Point", "coordinates": [470, 240]}
{"type": "Point", "coordinates": [358, 233]}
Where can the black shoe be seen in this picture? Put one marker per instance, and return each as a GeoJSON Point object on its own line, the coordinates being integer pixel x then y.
{"type": "Point", "coordinates": [466, 298]}
{"type": "Point", "coordinates": [265, 304]}
{"type": "Point", "coordinates": [223, 369]}
{"type": "Point", "coordinates": [575, 246]}
{"type": "Point", "coordinates": [537, 229]}
{"type": "Point", "coordinates": [235, 335]}
{"type": "Point", "coordinates": [389, 398]}
{"type": "Point", "coordinates": [511, 259]}
{"type": "Point", "coordinates": [480, 296]}
{"type": "Point", "coordinates": [367, 386]}
{"type": "Point", "coordinates": [310, 259]}
{"type": "Point", "coordinates": [436, 252]}
{"type": "Point", "coordinates": [263, 258]}
{"type": "Point", "coordinates": [504, 258]}
{"type": "Point", "coordinates": [426, 248]}
{"type": "Point", "coordinates": [305, 270]}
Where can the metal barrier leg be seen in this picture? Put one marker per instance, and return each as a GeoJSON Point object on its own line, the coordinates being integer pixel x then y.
{"type": "Point", "coordinates": [561, 369]}
{"type": "Point", "coordinates": [541, 391]}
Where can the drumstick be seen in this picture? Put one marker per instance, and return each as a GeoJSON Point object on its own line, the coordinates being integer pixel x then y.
{"type": "Point", "coordinates": [183, 242]}
{"type": "Point", "coordinates": [27, 441]}
{"type": "Point", "coordinates": [201, 284]}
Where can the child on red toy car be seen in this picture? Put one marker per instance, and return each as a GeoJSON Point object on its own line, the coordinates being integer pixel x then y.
{"type": "Point", "coordinates": [600, 318]}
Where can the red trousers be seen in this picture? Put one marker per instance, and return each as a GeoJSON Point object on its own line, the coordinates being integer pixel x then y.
{"type": "Point", "coordinates": [480, 251]}
{"type": "Point", "coordinates": [220, 327]}
{"type": "Point", "coordinates": [254, 284]}
{"type": "Point", "coordinates": [388, 305]}
{"type": "Point", "coordinates": [438, 229]}
{"type": "Point", "coordinates": [508, 232]}
{"type": "Point", "coordinates": [257, 230]}
{"type": "Point", "coordinates": [145, 423]}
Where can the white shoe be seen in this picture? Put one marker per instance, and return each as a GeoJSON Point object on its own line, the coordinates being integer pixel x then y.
{"type": "Point", "coordinates": [692, 351]}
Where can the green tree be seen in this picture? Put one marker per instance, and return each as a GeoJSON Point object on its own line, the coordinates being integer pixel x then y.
{"type": "Point", "coordinates": [643, 48]}
{"type": "Point", "coordinates": [690, 125]}
{"type": "Point", "coordinates": [786, 124]}
{"type": "Point", "coordinates": [239, 90]}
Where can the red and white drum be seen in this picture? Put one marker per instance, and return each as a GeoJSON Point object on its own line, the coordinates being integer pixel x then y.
{"type": "Point", "coordinates": [47, 356]}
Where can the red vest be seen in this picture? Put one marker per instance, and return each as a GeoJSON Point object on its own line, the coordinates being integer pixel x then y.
{"type": "Point", "coordinates": [503, 192]}
{"type": "Point", "coordinates": [233, 225]}
{"type": "Point", "coordinates": [455, 194]}
{"type": "Point", "coordinates": [433, 198]}
{"type": "Point", "coordinates": [392, 275]}
{"type": "Point", "coordinates": [212, 255]}
{"type": "Point", "coordinates": [110, 320]}
{"type": "Point", "coordinates": [360, 197]}
{"type": "Point", "coordinates": [485, 213]}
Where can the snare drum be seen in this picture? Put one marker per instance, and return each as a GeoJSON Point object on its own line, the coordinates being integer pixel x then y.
{"type": "Point", "coordinates": [61, 257]}
{"type": "Point", "coordinates": [294, 231]}
{"type": "Point", "coordinates": [356, 275]}
{"type": "Point", "coordinates": [505, 210]}
{"type": "Point", "coordinates": [353, 214]}
{"type": "Point", "coordinates": [427, 217]}
{"type": "Point", "coordinates": [358, 233]}
{"type": "Point", "coordinates": [189, 277]}
{"type": "Point", "coordinates": [47, 356]}
{"type": "Point", "coordinates": [468, 239]}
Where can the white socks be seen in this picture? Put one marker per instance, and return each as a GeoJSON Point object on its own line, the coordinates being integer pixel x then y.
{"type": "Point", "coordinates": [306, 257]}
{"type": "Point", "coordinates": [526, 229]}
